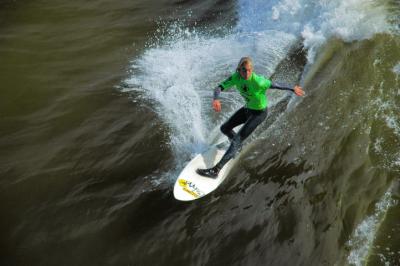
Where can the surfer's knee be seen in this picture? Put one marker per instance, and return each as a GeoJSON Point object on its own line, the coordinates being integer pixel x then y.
{"type": "Point", "coordinates": [227, 131]}
{"type": "Point", "coordinates": [224, 129]}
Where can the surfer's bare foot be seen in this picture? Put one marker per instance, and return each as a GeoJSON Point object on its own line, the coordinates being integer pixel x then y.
{"type": "Point", "coordinates": [210, 172]}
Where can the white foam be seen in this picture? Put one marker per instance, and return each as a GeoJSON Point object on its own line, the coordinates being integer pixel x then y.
{"type": "Point", "coordinates": [394, 123]}
{"type": "Point", "coordinates": [315, 21]}
{"type": "Point", "coordinates": [396, 69]}
{"type": "Point", "coordinates": [363, 237]}
{"type": "Point", "coordinates": [348, 20]}
{"type": "Point", "coordinates": [291, 7]}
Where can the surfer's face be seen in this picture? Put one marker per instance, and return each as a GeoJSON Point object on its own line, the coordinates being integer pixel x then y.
{"type": "Point", "coordinates": [245, 71]}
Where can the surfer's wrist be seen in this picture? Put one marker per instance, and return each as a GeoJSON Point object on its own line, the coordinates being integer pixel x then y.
{"type": "Point", "coordinates": [217, 92]}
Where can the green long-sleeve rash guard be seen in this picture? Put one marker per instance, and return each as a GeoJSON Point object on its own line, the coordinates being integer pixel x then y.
{"type": "Point", "coordinates": [253, 90]}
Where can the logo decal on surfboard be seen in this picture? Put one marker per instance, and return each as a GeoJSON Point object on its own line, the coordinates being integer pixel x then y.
{"type": "Point", "coordinates": [190, 188]}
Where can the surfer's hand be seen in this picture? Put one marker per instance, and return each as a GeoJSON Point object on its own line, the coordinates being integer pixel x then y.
{"type": "Point", "coordinates": [216, 105]}
{"type": "Point", "coordinates": [298, 90]}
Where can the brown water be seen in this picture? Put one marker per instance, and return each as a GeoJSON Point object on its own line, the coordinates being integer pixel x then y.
{"type": "Point", "coordinates": [90, 143]}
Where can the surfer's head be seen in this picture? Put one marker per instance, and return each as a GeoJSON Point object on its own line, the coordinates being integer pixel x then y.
{"type": "Point", "coordinates": [245, 67]}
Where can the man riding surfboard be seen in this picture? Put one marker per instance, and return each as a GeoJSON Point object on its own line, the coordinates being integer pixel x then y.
{"type": "Point", "coordinates": [252, 88]}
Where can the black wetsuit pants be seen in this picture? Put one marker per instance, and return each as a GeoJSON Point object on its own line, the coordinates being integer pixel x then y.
{"type": "Point", "coordinates": [251, 119]}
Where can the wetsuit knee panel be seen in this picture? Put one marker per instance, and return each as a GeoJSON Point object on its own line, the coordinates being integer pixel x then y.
{"type": "Point", "coordinates": [223, 128]}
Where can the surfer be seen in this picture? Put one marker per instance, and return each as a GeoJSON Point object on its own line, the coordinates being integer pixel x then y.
{"type": "Point", "coordinates": [252, 88]}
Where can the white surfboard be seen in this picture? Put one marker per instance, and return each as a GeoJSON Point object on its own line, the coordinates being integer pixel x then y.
{"type": "Point", "coordinates": [190, 185]}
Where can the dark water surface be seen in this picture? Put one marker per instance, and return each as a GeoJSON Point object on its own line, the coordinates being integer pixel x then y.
{"type": "Point", "coordinates": [103, 102]}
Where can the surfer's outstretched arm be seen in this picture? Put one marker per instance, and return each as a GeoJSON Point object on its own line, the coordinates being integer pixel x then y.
{"type": "Point", "coordinates": [296, 89]}
{"type": "Point", "coordinates": [278, 86]}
